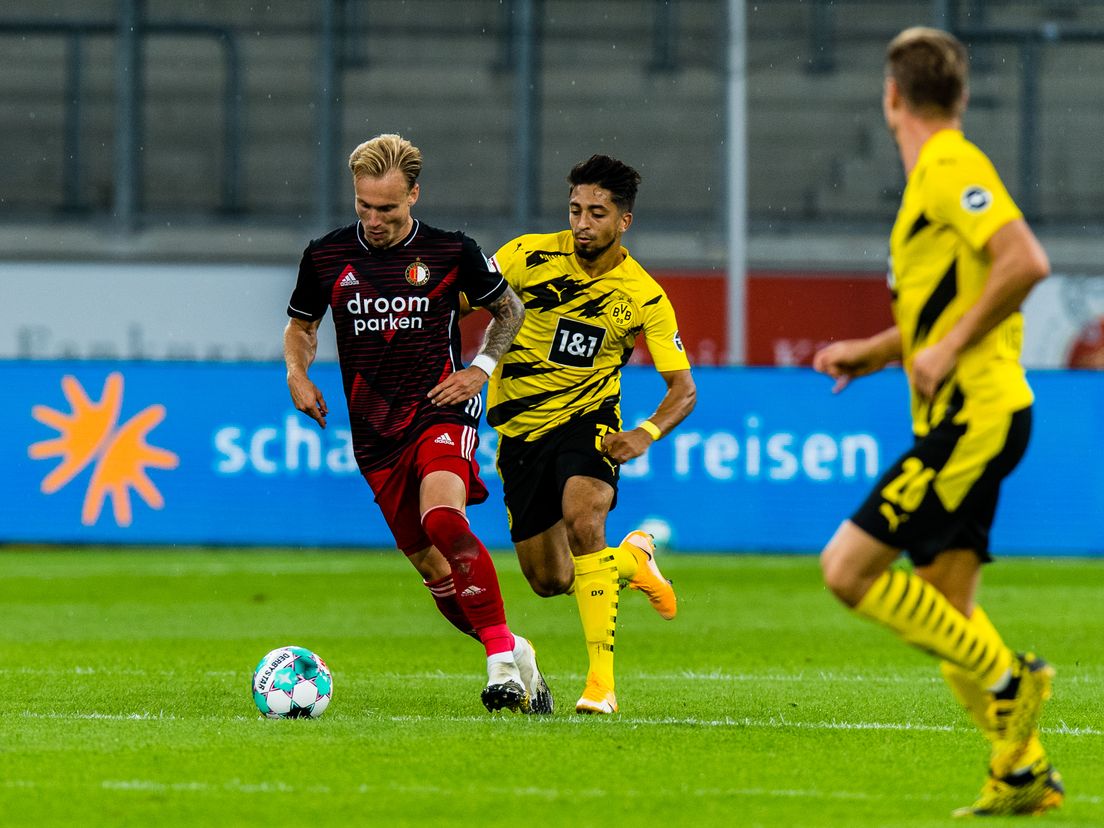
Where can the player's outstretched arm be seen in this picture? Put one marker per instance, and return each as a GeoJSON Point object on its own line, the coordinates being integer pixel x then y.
{"type": "Point", "coordinates": [461, 386]}
{"type": "Point", "coordinates": [1018, 264]}
{"type": "Point", "coordinates": [849, 359]}
{"type": "Point", "coordinates": [677, 403]}
{"type": "Point", "coordinates": [300, 348]}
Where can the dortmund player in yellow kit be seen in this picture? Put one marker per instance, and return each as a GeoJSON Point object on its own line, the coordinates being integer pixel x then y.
{"type": "Point", "coordinates": [962, 260]}
{"type": "Point", "coordinates": [555, 400]}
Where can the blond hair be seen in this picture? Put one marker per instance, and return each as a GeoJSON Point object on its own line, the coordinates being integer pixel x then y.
{"type": "Point", "coordinates": [378, 156]}
{"type": "Point", "coordinates": [930, 69]}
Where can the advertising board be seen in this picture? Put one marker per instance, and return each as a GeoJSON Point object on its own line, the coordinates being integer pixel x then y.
{"type": "Point", "coordinates": [770, 460]}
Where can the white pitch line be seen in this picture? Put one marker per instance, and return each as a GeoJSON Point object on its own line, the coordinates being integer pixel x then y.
{"type": "Point", "coordinates": [438, 675]}
{"type": "Point", "coordinates": [773, 723]}
{"type": "Point", "coordinates": [267, 788]}
{"type": "Point", "coordinates": [112, 717]}
{"type": "Point", "coordinates": [778, 723]}
{"type": "Point", "coordinates": [334, 567]}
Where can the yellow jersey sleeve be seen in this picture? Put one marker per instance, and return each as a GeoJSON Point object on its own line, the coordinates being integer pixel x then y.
{"type": "Point", "coordinates": [510, 261]}
{"type": "Point", "coordinates": [661, 335]}
{"type": "Point", "coordinates": [967, 194]}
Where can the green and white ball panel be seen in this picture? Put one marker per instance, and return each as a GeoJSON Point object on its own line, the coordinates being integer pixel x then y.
{"type": "Point", "coordinates": [292, 682]}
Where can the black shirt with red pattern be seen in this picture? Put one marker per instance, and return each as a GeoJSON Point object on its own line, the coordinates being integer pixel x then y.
{"type": "Point", "coordinates": [396, 313]}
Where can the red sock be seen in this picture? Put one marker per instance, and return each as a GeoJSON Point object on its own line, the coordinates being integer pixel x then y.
{"type": "Point", "coordinates": [444, 594]}
{"type": "Point", "coordinates": [473, 574]}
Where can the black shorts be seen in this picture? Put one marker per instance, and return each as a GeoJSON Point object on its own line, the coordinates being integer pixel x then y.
{"type": "Point", "coordinates": [942, 493]}
{"type": "Point", "coordinates": [534, 473]}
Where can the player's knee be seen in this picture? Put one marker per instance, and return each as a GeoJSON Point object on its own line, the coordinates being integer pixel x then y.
{"type": "Point", "coordinates": [585, 531]}
{"type": "Point", "coordinates": [841, 580]}
{"type": "Point", "coordinates": [548, 579]}
{"type": "Point", "coordinates": [550, 584]}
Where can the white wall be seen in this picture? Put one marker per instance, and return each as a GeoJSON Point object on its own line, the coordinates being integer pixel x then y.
{"type": "Point", "coordinates": [147, 311]}
{"type": "Point", "coordinates": [238, 313]}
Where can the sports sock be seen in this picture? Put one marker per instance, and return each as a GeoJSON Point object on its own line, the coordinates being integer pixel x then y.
{"type": "Point", "coordinates": [920, 614]}
{"type": "Point", "coordinates": [966, 689]}
{"type": "Point", "coordinates": [625, 560]}
{"type": "Point", "coordinates": [976, 698]}
{"type": "Point", "coordinates": [596, 593]}
{"type": "Point", "coordinates": [444, 595]}
{"type": "Point", "coordinates": [473, 574]}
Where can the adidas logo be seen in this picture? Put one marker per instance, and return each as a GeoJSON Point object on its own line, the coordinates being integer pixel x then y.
{"type": "Point", "coordinates": [350, 279]}
{"type": "Point", "coordinates": [472, 591]}
{"type": "Point", "coordinates": [445, 440]}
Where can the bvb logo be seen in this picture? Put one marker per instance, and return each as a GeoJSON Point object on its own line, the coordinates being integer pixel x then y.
{"type": "Point", "coordinates": [622, 313]}
{"type": "Point", "coordinates": [417, 273]}
{"type": "Point", "coordinates": [121, 454]}
{"type": "Point", "coordinates": [976, 199]}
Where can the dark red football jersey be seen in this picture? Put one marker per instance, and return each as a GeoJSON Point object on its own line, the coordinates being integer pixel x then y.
{"type": "Point", "coordinates": [396, 312]}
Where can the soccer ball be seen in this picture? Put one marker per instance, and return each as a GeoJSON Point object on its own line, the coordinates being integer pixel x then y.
{"type": "Point", "coordinates": [292, 683]}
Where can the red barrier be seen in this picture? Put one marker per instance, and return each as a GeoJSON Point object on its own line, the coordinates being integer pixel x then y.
{"type": "Point", "coordinates": [790, 314]}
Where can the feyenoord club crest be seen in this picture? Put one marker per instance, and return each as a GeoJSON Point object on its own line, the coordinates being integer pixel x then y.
{"type": "Point", "coordinates": [417, 273]}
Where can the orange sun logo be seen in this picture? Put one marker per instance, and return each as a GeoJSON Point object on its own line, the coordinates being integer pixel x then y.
{"type": "Point", "coordinates": [121, 455]}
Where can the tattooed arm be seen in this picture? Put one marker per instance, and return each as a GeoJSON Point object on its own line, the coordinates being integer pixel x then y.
{"type": "Point", "coordinates": [508, 313]}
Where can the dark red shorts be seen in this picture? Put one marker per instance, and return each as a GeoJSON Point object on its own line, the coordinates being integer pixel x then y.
{"type": "Point", "coordinates": [442, 447]}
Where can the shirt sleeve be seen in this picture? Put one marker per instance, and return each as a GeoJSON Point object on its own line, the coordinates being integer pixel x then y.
{"type": "Point", "coordinates": [307, 301]}
{"type": "Point", "coordinates": [510, 263]}
{"type": "Point", "coordinates": [479, 276]}
{"type": "Point", "coordinates": [661, 335]}
{"type": "Point", "coordinates": [968, 195]}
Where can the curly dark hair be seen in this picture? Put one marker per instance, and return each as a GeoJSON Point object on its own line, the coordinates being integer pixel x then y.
{"type": "Point", "coordinates": [610, 174]}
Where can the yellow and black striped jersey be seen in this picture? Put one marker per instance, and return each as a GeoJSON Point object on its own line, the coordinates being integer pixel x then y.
{"type": "Point", "coordinates": [953, 203]}
{"type": "Point", "coordinates": [578, 332]}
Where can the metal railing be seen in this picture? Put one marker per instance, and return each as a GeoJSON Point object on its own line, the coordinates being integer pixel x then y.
{"type": "Point", "coordinates": [968, 20]}
{"type": "Point", "coordinates": [1029, 43]}
{"type": "Point", "coordinates": [345, 35]}
{"type": "Point", "coordinates": [130, 32]}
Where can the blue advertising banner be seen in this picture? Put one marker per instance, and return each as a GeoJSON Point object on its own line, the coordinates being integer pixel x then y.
{"type": "Point", "coordinates": [771, 460]}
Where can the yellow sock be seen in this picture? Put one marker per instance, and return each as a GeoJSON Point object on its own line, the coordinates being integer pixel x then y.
{"type": "Point", "coordinates": [971, 695]}
{"type": "Point", "coordinates": [625, 560]}
{"type": "Point", "coordinates": [920, 614]}
{"type": "Point", "coordinates": [596, 593]}
{"type": "Point", "coordinates": [966, 689]}
{"type": "Point", "coordinates": [975, 698]}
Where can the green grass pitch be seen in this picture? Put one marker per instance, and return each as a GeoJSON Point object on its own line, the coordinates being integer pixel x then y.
{"type": "Point", "coordinates": [125, 679]}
